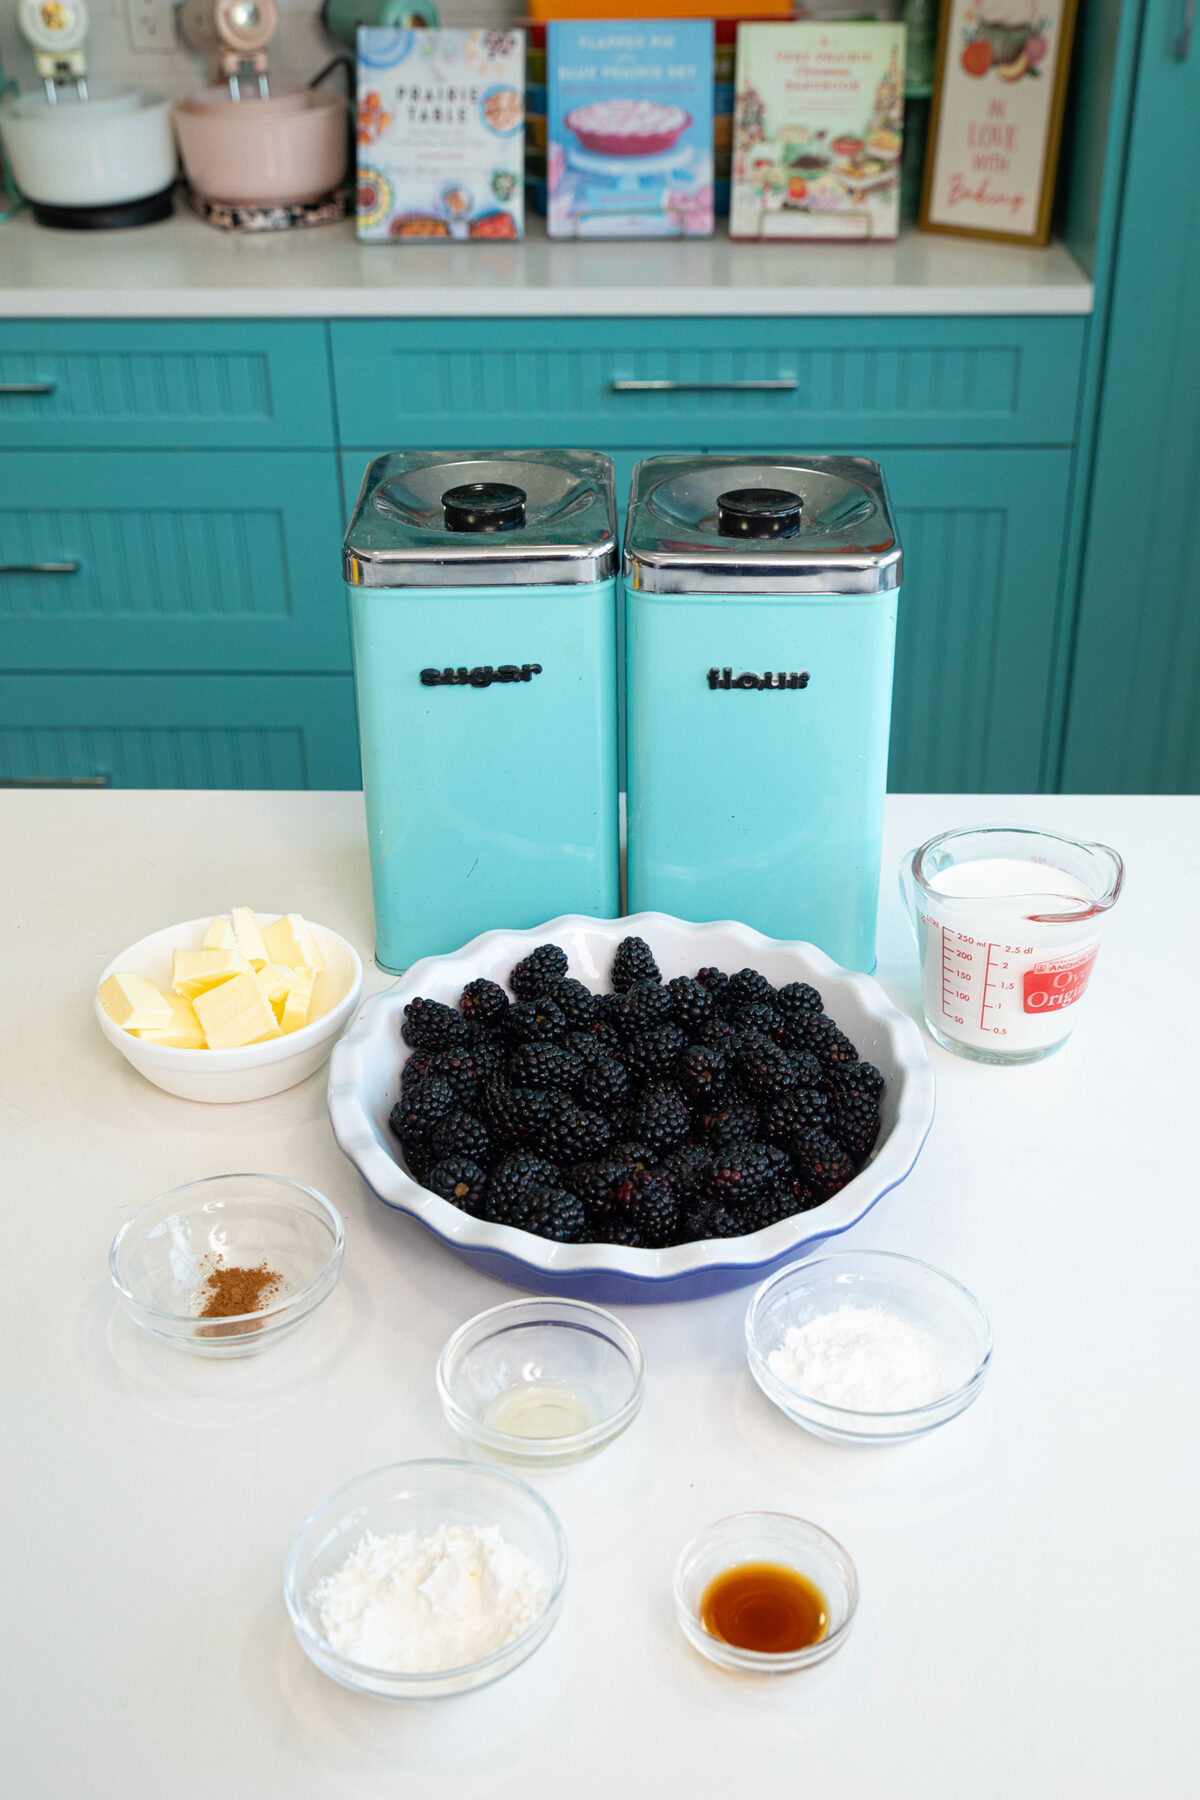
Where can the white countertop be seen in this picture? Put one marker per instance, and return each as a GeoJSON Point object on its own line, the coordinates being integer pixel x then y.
{"type": "Point", "coordinates": [184, 269]}
{"type": "Point", "coordinates": [1030, 1580]}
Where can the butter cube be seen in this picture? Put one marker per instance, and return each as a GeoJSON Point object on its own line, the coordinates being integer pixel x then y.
{"type": "Point", "coordinates": [236, 1013]}
{"type": "Point", "coordinates": [299, 999]}
{"type": "Point", "coordinates": [133, 1002]}
{"type": "Point", "coordinates": [290, 941]}
{"type": "Point", "coordinates": [219, 935]}
{"type": "Point", "coordinates": [184, 1032]}
{"type": "Point", "coordinates": [275, 978]}
{"type": "Point", "coordinates": [195, 971]}
{"type": "Point", "coordinates": [248, 936]}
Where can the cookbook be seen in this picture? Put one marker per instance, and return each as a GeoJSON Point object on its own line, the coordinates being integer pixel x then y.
{"type": "Point", "coordinates": [441, 117]}
{"type": "Point", "coordinates": [818, 129]}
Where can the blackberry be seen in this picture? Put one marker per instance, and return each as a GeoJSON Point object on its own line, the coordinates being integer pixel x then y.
{"type": "Point", "coordinates": [602, 1085]}
{"type": "Point", "coordinates": [597, 1182]}
{"type": "Point", "coordinates": [770, 1208]}
{"type": "Point", "coordinates": [534, 1022]}
{"type": "Point", "coordinates": [817, 1034]}
{"type": "Point", "coordinates": [711, 1219]}
{"type": "Point", "coordinates": [748, 986]}
{"type": "Point", "coordinates": [419, 1160]}
{"type": "Point", "coordinates": [428, 1025]}
{"type": "Point", "coordinates": [767, 1071]}
{"type": "Point", "coordinates": [755, 1016]}
{"type": "Point", "coordinates": [613, 1228]}
{"type": "Point", "coordinates": [691, 1002]}
{"type": "Point", "coordinates": [459, 1180]}
{"type": "Point", "coordinates": [801, 1109]}
{"type": "Point", "coordinates": [549, 1212]}
{"type": "Point", "coordinates": [634, 961]}
{"type": "Point", "coordinates": [514, 1177]}
{"type": "Point", "coordinates": [798, 998]}
{"type": "Point", "coordinates": [513, 1116]}
{"type": "Point", "coordinates": [596, 1041]}
{"type": "Point", "coordinates": [661, 1118]}
{"type": "Point", "coordinates": [416, 1069]}
{"type": "Point", "coordinates": [652, 1208]}
{"type": "Point", "coordinates": [541, 965]}
{"type": "Point", "coordinates": [730, 1124]}
{"type": "Point", "coordinates": [574, 1133]}
{"type": "Point", "coordinates": [703, 1074]}
{"type": "Point", "coordinates": [650, 1055]}
{"type": "Point", "coordinates": [741, 1171]}
{"type": "Point", "coordinates": [482, 1001]}
{"type": "Point", "coordinates": [460, 1133]}
{"type": "Point", "coordinates": [542, 1066]}
{"type": "Point", "coordinates": [718, 1034]}
{"type": "Point", "coordinates": [807, 1068]}
{"type": "Point", "coordinates": [490, 1055]}
{"type": "Point", "coordinates": [416, 1113]}
{"type": "Point", "coordinates": [714, 982]}
{"type": "Point", "coordinates": [576, 1003]}
{"type": "Point", "coordinates": [853, 1110]}
{"type": "Point", "coordinates": [867, 1076]}
{"type": "Point", "coordinates": [462, 1070]}
{"type": "Point", "coordinates": [821, 1164]}
{"type": "Point", "coordinates": [690, 1170]}
{"type": "Point", "coordinates": [641, 1008]}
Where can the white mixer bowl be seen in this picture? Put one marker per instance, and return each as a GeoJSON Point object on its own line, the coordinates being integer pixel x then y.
{"type": "Point", "coordinates": [105, 151]}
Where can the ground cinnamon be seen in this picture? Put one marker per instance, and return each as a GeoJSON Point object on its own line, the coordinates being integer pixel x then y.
{"type": "Point", "coordinates": [230, 1291]}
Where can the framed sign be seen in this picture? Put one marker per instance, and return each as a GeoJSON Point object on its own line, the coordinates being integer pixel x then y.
{"type": "Point", "coordinates": [997, 118]}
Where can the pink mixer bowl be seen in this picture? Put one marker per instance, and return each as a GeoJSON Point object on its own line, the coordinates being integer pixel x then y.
{"type": "Point", "coordinates": [627, 127]}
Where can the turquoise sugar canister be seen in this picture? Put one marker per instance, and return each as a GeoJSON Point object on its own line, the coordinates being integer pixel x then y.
{"type": "Point", "coordinates": [760, 602]}
{"type": "Point", "coordinates": [482, 592]}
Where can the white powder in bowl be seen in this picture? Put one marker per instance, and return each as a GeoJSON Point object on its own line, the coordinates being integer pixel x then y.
{"type": "Point", "coordinates": [414, 1605]}
{"type": "Point", "coordinates": [862, 1358]}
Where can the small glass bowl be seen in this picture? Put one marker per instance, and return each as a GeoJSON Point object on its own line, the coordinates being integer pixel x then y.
{"type": "Point", "coordinates": [419, 1497]}
{"type": "Point", "coordinates": [911, 1290]}
{"type": "Point", "coordinates": [161, 1258]}
{"type": "Point", "coordinates": [566, 1363]}
{"type": "Point", "coordinates": [766, 1537]}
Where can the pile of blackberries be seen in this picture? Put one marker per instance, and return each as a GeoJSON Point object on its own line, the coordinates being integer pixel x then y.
{"type": "Point", "coordinates": [662, 1113]}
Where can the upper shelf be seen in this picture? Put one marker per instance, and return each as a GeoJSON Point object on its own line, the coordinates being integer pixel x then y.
{"type": "Point", "coordinates": [182, 269]}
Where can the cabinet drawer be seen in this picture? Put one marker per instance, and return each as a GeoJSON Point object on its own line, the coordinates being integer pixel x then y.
{"type": "Point", "coordinates": [728, 382]}
{"type": "Point", "coordinates": [116, 385]}
{"type": "Point", "coordinates": [179, 731]}
{"type": "Point", "coordinates": [127, 560]}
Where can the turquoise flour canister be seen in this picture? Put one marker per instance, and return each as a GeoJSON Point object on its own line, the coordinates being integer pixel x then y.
{"type": "Point", "coordinates": [482, 594]}
{"type": "Point", "coordinates": [761, 626]}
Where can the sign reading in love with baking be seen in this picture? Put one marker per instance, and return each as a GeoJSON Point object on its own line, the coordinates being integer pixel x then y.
{"type": "Point", "coordinates": [997, 117]}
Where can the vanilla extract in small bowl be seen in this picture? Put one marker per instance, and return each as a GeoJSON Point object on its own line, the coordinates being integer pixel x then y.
{"type": "Point", "coordinates": [765, 1593]}
{"type": "Point", "coordinates": [766, 1607]}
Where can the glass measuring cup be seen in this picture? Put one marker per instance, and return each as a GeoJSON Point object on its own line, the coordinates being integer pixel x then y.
{"type": "Point", "coordinates": [1008, 922]}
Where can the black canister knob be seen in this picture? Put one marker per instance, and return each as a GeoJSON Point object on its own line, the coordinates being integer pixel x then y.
{"type": "Point", "coordinates": [484, 506]}
{"type": "Point", "coordinates": [759, 513]}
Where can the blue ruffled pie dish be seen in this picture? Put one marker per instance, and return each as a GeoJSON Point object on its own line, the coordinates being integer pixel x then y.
{"type": "Point", "coordinates": [364, 1079]}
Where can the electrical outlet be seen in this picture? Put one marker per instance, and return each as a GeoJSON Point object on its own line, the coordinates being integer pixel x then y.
{"type": "Point", "coordinates": [151, 24]}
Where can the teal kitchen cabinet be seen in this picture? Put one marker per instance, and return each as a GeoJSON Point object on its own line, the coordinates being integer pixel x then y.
{"type": "Point", "coordinates": [185, 731]}
{"type": "Point", "coordinates": [139, 560]}
{"type": "Point", "coordinates": [169, 384]}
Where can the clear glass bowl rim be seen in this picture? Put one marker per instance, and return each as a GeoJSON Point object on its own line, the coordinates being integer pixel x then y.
{"type": "Point", "coordinates": [771, 1660]}
{"type": "Point", "coordinates": [425, 1677]}
{"type": "Point", "coordinates": [287, 1304]}
{"type": "Point", "coordinates": [826, 1407]}
{"type": "Point", "coordinates": [1100, 903]}
{"type": "Point", "coordinates": [533, 1449]}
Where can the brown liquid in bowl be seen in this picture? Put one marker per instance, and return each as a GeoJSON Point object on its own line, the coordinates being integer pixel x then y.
{"type": "Point", "coordinates": [765, 1607]}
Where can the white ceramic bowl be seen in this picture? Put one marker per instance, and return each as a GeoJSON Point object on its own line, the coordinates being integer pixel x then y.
{"type": "Point", "coordinates": [113, 148]}
{"type": "Point", "coordinates": [364, 1082]}
{"type": "Point", "coordinates": [257, 1069]}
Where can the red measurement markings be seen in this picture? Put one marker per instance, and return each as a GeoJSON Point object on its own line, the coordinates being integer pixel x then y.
{"type": "Point", "coordinates": [946, 974]}
{"type": "Point", "coordinates": [986, 972]}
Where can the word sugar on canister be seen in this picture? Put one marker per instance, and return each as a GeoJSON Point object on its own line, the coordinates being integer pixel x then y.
{"type": "Point", "coordinates": [483, 617]}
{"type": "Point", "coordinates": [761, 625]}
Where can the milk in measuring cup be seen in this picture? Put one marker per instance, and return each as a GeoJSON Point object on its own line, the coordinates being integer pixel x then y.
{"type": "Point", "coordinates": [994, 978]}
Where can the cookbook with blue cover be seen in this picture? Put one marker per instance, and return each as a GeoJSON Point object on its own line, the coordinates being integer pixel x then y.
{"type": "Point", "coordinates": [629, 128]}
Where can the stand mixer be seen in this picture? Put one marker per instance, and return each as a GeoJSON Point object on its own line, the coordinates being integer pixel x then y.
{"type": "Point", "coordinates": [232, 33]}
{"type": "Point", "coordinates": [56, 31]}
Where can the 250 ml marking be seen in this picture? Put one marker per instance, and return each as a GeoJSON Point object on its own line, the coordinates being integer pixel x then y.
{"type": "Point", "coordinates": [960, 972]}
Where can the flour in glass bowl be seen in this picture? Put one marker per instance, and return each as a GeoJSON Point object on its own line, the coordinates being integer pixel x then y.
{"type": "Point", "coordinates": [861, 1358]}
{"type": "Point", "coordinates": [417, 1605]}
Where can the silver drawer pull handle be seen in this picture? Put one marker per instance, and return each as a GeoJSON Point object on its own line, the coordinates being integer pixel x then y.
{"type": "Point", "coordinates": [785, 385]}
{"type": "Point", "coordinates": [49, 781]}
{"type": "Point", "coordinates": [27, 387]}
{"type": "Point", "coordinates": [47, 568]}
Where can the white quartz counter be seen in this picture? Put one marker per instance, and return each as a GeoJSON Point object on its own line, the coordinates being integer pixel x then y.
{"type": "Point", "coordinates": [185, 269]}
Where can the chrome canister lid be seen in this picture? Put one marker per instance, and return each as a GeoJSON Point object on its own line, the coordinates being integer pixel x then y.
{"type": "Point", "coordinates": [760, 525]}
{"type": "Point", "coordinates": [464, 518]}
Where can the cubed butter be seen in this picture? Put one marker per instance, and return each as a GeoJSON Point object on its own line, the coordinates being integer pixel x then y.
{"type": "Point", "coordinates": [248, 936]}
{"type": "Point", "coordinates": [236, 1013]}
{"type": "Point", "coordinates": [290, 941]}
{"type": "Point", "coordinates": [275, 978]}
{"type": "Point", "coordinates": [219, 935]}
{"type": "Point", "coordinates": [185, 1031]}
{"type": "Point", "coordinates": [299, 999]}
{"type": "Point", "coordinates": [195, 971]}
{"type": "Point", "coordinates": [133, 1002]}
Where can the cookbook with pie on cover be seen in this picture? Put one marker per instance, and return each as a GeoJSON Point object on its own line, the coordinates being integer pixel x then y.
{"type": "Point", "coordinates": [818, 131]}
{"type": "Point", "coordinates": [441, 145]}
{"type": "Point", "coordinates": [629, 128]}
